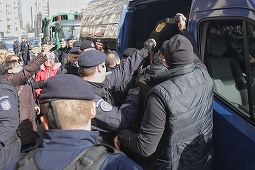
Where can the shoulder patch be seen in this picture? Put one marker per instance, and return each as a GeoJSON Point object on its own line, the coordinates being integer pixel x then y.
{"type": "Point", "coordinates": [105, 106]}
{"type": "Point", "coordinates": [5, 104]}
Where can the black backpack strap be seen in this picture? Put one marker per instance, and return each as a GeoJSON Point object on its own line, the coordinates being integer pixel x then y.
{"type": "Point", "coordinates": [27, 161]}
{"type": "Point", "coordinates": [93, 157]}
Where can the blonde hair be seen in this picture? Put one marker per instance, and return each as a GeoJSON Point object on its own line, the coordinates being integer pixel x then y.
{"type": "Point", "coordinates": [9, 55]}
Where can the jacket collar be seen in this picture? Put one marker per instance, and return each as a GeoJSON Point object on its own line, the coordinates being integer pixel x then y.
{"type": "Point", "coordinates": [174, 72]}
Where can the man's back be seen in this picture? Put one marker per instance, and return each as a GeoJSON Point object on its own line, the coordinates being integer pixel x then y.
{"type": "Point", "coordinates": [188, 104]}
{"type": "Point", "coordinates": [58, 154]}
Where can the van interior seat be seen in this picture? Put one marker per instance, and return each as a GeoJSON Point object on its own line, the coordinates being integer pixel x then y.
{"type": "Point", "coordinates": [226, 73]}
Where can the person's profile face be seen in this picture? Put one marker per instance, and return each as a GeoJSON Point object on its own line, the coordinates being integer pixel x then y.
{"type": "Point", "coordinates": [73, 57]}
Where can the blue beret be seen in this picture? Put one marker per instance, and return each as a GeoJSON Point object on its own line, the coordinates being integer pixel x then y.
{"type": "Point", "coordinates": [86, 44]}
{"type": "Point", "coordinates": [75, 50]}
{"type": "Point", "coordinates": [91, 58]}
{"type": "Point", "coordinates": [67, 86]}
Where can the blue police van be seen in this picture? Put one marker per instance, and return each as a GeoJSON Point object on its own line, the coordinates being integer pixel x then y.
{"type": "Point", "coordinates": [225, 34]}
{"type": "Point", "coordinates": [224, 31]}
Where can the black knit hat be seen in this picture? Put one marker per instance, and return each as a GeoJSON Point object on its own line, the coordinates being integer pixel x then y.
{"type": "Point", "coordinates": [91, 58]}
{"type": "Point", "coordinates": [179, 51]}
{"type": "Point", "coordinates": [67, 86]}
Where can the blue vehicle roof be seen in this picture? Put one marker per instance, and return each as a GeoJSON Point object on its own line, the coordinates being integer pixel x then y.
{"type": "Point", "coordinates": [202, 5]}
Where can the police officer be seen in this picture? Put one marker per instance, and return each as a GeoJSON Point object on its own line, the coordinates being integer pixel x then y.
{"type": "Point", "coordinates": [66, 116]}
{"type": "Point", "coordinates": [10, 144]}
{"type": "Point", "coordinates": [24, 48]}
{"type": "Point", "coordinates": [73, 57]}
{"type": "Point", "coordinates": [16, 46]}
{"type": "Point", "coordinates": [110, 119]}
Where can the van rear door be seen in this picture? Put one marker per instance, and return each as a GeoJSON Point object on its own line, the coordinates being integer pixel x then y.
{"type": "Point", "coordinates": [142, 17]}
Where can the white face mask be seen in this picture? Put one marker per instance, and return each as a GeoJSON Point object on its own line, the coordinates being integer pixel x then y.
{"type": "Point", "coordinates": [17, 68]}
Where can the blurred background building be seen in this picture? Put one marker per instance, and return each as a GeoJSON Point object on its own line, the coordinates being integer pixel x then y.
{"type": "Point", "coordinates": [24, 17]}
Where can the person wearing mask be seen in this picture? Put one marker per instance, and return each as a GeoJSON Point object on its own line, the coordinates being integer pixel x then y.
{"type": "Point", "coordinates": [64, 143]}
{"type": "Point", "coordinates": [176, 129]}
{"type": "Point", "coordinates": [27, 105]}
{"type": "Point", "coordinates": [111, 118]}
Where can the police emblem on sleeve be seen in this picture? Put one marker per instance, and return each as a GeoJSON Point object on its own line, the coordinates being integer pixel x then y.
{"type": "Point", "coordinates": [105, 106]}
{"type": "Point", "coordinates": [5, 104]}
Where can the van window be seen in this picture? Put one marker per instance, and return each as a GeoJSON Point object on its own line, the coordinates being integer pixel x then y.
{"type": "Point", "coordinates": [229, 54]}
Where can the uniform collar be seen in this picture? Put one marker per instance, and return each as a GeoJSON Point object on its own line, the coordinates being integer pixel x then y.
{"type": "Point", "coordinates": [69, 139]}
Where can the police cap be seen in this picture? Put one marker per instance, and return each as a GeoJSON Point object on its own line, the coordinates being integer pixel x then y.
{"type": "Point", "coordinates": [62, 40]}
{"type": "Point", "coordinates": [67, 86]}
{"type": "Point", "coordinates": [77, 43]}
{"type": "Point", "coordinates": [45, 42]}
{"type": "Point", "coordinates": [99, 41]}
{"type": "Point", "coordinates": [87, 44]}
{"type": "Point", "coordinates": [75, 50]}
{"type": "Point", "coordinates": [91, 58]}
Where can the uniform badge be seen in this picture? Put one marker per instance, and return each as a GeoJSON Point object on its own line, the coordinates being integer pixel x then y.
{"type": "Point", "coordinates": [105, 106]}
{"type": "Point", "coordinates": [5, 105]}
{"type": "Point", "coordinates": [160, 26]}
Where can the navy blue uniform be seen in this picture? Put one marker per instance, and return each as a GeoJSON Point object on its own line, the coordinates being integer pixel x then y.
{"type": "Point", "coordinates": [9, 120]}
{"type": "Point", "coordinates": [110, 118]}
{"type": "Point", "coordinates": [60, 147]}
{"type": "Point", "coordinates": [24, 48]}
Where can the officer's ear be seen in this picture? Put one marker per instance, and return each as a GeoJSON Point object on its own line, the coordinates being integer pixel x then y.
{"type": "Point", "coordinates": [44, 122]}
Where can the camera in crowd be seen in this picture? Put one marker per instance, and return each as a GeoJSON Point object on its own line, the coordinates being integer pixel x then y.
{"type": "Point", "coordinates": [174, 20]}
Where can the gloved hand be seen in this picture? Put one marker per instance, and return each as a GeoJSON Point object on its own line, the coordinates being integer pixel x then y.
{"type": "Point", "coordinates": [149, 45]}
{"type": "Point", "coordinates": [134, 91]}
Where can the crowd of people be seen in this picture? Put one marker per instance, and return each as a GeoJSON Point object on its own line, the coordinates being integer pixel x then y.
{"type": "Point", "coordinates": [88, 99]}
